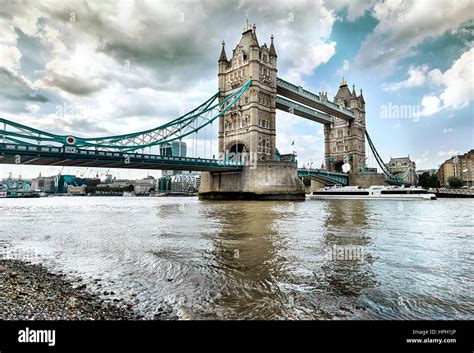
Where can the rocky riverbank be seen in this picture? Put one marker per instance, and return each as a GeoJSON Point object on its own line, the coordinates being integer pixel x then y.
{"type": "Point", "coordinates": [31, 292]}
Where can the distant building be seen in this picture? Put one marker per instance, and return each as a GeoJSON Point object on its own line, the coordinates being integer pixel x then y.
{"type": "Point", "coordinates": [173, 149]}
{"type": "Point", "coordinates": [19, 183]}
{"type": "Point", "coordinates": [445, 171]}
{"type": "Point", "coordinates": [466, 168]}
{"type": "Point", "coordinates": [60, 183]}
{"type": "Point", "coordinates": [460, 166]}
{"type": "Point", "coordinates": [43, 184]}
{"type": "Point", "coordinates": [140, 187]}
{"type": "Point", "coordinates": [144, 186]}
{"type": "Point", "coordinates": [76, 190]}
{"type": "Point", "coordinates": [114, 182]}
{"type": "Point", "coordinates": [399, 166]}
{"type": "Point", "coordinates": [179, 183]}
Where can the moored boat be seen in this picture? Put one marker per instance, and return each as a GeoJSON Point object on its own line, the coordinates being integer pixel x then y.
{"type": "Point", "coordinates": [375, 192]}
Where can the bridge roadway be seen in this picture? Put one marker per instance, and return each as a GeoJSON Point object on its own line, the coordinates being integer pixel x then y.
{"type": "Point", "coordinates": [299, 94]}
{"type": "Point", "coordinates": [75, 157]}
{"type": "Point", "coordinates": [332, 177]}
{"type": "Point", "coordinates": [301, 110]}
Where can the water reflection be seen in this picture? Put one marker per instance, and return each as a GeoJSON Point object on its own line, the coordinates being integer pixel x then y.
{"type": "Point", "coordinates": [246, 253]}
{"type": "Point", "coordinates": [264, 273]}
{"type": "Point", "coordinates": [347, 272]}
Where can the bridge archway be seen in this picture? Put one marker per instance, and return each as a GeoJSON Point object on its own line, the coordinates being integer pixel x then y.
{"type": "Point", "coordinates": [237, 151]}
{"type": "Point", "coordinates": [338, 166]}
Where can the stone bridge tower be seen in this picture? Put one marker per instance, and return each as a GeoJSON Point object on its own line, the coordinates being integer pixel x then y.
{"type": "Point", "coordinates": [344, 141]}
{"type": "Point", "coordinates": [248, 128]}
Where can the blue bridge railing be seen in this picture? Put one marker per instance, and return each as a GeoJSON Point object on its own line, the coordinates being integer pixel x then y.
{"type": "Point", "coordinates": [334, 177]}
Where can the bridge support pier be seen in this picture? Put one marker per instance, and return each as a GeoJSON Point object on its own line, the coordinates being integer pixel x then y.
{"type": "Point", "coordinates": [268, 180]}
{"type": "Point", "coordinates": [366, 180]}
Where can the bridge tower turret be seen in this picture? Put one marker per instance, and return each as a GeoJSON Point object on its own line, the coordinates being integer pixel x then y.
{"type": "Point", "coordinates": [249, 127]}
{"type": "Point", "coordinates": [345, 140]}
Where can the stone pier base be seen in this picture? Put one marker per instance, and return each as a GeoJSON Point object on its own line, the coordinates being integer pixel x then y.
{"type": "Point", "coordinates": [269, 180]}
{"type": "Point", "coordinates": [315, 185]}
{"type": "Point", "coordinates": [366, 180]}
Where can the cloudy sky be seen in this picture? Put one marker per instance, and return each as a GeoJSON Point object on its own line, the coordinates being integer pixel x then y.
{"type": "Point", "coordinates": [98, 68]}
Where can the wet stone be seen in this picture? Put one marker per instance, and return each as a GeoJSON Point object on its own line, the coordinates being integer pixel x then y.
{"type": "Point", "coordinates": [31, 292]}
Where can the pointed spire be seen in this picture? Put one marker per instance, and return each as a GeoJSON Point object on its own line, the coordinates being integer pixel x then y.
{"type": "Point", "coordinates": [254, 36]}
{"type": "Point", "coordinates": [361, 97]}
{"type": "Point", "coordinates": [272, 51]}
{"type": "Point", "coordinates": [353, 93]}
{"type": "Point", "coordinates": [223, 56]}
{"type": "Point", "coordinates": [248, 26]}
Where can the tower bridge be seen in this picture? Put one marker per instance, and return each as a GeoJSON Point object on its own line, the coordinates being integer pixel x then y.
{"type": "Point", "coordinates": [248, 164]}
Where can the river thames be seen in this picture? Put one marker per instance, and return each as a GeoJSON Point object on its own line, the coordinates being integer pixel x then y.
{"type": "Point", "coordinates": [339, 259]}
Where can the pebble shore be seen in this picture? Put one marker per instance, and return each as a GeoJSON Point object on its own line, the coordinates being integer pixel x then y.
{"type": "Point", "coordinates": [31, 292]}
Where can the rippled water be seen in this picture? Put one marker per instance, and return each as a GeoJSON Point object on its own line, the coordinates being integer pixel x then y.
{"type": "Point", "coordinates": [336, 259]}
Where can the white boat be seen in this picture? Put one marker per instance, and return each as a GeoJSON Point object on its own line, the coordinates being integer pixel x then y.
{"type": "Point", "coordinates": [129, 194]}
{"type": "Point", "coordinates": [375, 192]}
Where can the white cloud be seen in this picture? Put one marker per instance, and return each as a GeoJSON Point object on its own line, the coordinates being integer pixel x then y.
{"type": "Point", "coordinates": [430, 105]}
{"type": "Point", "coordinates": [316, 56]}
{"type": "Point", "coordinates": [417, 77]}
{"type": "Point", "coordinates": [32, 108]}
{"type": "Point", "coordinates": [403, 25]}
{"type": "Point", "coordinates": [447, 130]}
{"type": "Point", "coordinates": [355, 8]}
{"type": "Point", "coordinates": [8, 35]}
{"type": "Point", "coordinates": [9, 58]}
{"type": "Point", "coordinates": [422, 160]}
{"type": "Point", "coordinates": [448, 153]}
{"type": "Point", "coordinates": [456, 83]}
{"type": "Point", "coordinates": [9, 54]}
